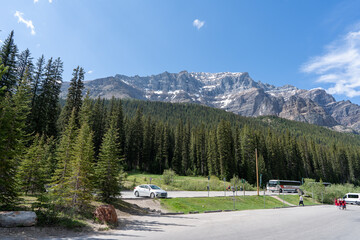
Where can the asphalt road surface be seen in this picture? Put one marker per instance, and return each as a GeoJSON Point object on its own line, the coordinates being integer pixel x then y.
{"type": "Point", "coordinates": [176, 194]}
{"type": "Point", "coordinates": [315, 222]}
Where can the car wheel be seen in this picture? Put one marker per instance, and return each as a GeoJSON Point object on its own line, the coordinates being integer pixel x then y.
{"type": "Point", "coordinates": [136, 194]}
{"type": "Point", "coordinates": [152, 195]}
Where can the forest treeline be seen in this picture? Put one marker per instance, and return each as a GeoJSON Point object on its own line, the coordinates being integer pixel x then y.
{"type": "Point", "coordinates": [74, 150]}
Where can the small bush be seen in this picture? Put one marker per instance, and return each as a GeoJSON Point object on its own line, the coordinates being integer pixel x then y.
{"type": "Point", "coordinates": [168, 176]}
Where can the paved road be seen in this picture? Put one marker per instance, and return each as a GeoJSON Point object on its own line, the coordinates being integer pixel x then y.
{"type": "Point", "coordinates": [176, 194]}
{"type": "Point", "coordinates": [316, 222]}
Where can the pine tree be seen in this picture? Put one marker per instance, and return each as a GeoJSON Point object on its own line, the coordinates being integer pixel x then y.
{"type": "Point", "coordinates": [36, 107]}
{"type": "Point", "coordinates": [226, 155]}
{"type": "Point", "coordinates": [13, 113]}
{"type": "Point", "coordinates": [48, 101]}
{"type": "Point", "coordinates": [135, 141]}
{"type": "Point", "coordinates": [65, 152]}
{"type": "Point", "coordinates": [8, 55]}
{"type": "Point", "coordinates": [248, 154]}
{"type": "Point", "coordinates": [73, 99]}
{"type": "Point", "coordinates": [98, 123]}
{"type": "Point", "coordinates": [108, 167]}
{"type": "Point", "coordinates": [177, 159]}
{"type": "Point", "coordinates": [121, 127]}
{"type": "Point", "coordinates": [37, 79]}
{"type": "Point", "coordinates": [32, 173]}
{"type": "Point", "coordinates": [78, 185]}
{"type": "Point", "coordinates": [148, 150]}
{"type": "Point", "coordinates": [24, 62]}
{"type": "Point", "coordinates": [213, 155]}
{"type": "Point", "coordinates": [185, 148]}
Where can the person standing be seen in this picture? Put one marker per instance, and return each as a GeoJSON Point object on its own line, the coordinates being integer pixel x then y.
{"type": "Point", "coordinates": [301, 201]}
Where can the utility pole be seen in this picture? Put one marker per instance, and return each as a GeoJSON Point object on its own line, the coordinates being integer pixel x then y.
{"type": "Point", "coordinates": [257, 172]}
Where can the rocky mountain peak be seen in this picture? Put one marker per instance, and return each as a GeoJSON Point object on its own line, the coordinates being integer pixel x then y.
{"type": "Point", "coordinates": [232, 91]}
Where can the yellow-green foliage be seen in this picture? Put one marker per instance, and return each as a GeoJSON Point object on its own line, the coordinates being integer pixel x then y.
{"type": "Point", "coordinates": [327, 194]}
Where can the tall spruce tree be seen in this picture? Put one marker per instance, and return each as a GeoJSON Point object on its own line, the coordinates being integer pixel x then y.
{"type": "Point", "coordinates": [80, 181]}
{"type": "Point", "coordinates": [177, 159]}
{"type": "Point", "coordinates": [107, 171]}
{"type": "Point", "coordinates": [32, 173]}
{"type": "Point", "coordinates": [48, 101]}
{"type": "Point", "coordinates": [98, 120]}
{"type": "Point", "coordinates": [135, 141]}
{"type": "Point", "coordinates": [8, 55]}
{"type": "Point", "coordinates": [185, 148]}
{"type": "Point", "coordinates": [24, 62]}
{"type": "Point", "coordinates": [13, 113]}
{"type": "Point", "coordinates": [73, 99]}
{"type": "Point", "coordinates": [36, 106]}
{"type": "Point", "coordinates": [64, 152]}
{"type": "Point", "coordinates": [225, 146]}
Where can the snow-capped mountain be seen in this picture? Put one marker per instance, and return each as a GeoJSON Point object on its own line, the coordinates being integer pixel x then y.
{"type": "Point", "coordinates": [234, 92]}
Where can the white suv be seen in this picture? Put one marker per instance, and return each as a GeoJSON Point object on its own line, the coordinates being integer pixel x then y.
{"type": "Point", "coordinates": [149, 190]}
{"type": "Point", "coordinates": [352, 198]}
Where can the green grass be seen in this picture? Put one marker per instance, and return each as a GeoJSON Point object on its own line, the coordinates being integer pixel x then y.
{"type": "Point", "coordinates": [294, 199]}
{"type": "Point", "coordinates": [184, 183]}
{"type": "Point", "coordinates": [187, 205]}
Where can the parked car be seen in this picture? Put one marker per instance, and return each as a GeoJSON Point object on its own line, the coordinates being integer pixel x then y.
{"type": "Point", "coordinates": [149, 190]}
{"type": "Point", "coordinates": [352, 198]}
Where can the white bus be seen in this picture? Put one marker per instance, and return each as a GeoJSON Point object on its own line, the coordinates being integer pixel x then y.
{"type": "Point", "coordinates": [283, 186]}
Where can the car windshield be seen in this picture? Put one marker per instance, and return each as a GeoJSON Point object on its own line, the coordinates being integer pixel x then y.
{"type": "Point", "coordinates": [154, 187]}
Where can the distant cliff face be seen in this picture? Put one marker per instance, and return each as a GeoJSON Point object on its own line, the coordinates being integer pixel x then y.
{"type": "Point", "coordinates": [233, 92]}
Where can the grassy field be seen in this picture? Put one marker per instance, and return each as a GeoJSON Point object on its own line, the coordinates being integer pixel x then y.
{"type": "Point", "coordinates": [294, 199]}
{"type": "Point", "coordinates": [187, 205]}
{"type": "Point", "coordinates": [185, 183]}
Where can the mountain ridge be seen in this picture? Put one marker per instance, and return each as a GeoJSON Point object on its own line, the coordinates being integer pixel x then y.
{"type": "Point", "coordinates": [235, 92]}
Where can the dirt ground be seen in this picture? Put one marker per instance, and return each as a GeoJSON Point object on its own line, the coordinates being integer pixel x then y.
{"type": "Point", "coordinates": [152, 204]}
{"type": "Point", "coordinates": [125, 214]}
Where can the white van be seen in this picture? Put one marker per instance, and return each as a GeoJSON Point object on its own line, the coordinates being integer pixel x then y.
{"type": "Point", "coordinates": [352, 198]}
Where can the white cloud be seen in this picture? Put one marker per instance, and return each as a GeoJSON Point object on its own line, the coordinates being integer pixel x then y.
{"type": "Point", "coordinates": [198, 24]}
{"type": "Point", "coordinates": [339, 65]}
{"type": "Point", "coordinates": [50, 1]}
{"type": "Point", "coordinates": [1, 41]}
{"type": "Point", "coordinates": [28, 23]}
{"type": "Point", "coordinates": [90, 71]}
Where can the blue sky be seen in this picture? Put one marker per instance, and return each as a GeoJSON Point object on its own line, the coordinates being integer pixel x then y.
{"type": "Point", "coordinates": [304, 43]}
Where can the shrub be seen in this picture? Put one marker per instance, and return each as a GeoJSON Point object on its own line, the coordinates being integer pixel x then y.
{"type": "Point", "coordinates": [168, 176]}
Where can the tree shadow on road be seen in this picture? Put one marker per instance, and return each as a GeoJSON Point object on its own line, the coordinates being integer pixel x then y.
{"type": "Point", "coordinates": [144, 225]}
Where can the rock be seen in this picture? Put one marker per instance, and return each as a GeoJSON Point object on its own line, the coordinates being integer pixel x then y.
{"type": "Point", "coordinates": [106, 213]}
{"type": "Point", "coordinates": [17, 219]}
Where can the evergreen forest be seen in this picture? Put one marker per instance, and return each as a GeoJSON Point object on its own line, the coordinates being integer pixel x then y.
{"type": "Point", "coordinates": [70, 149]}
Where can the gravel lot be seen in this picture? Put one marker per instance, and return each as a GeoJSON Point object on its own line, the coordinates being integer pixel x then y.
{"type": "Point", "coordinates": [316, 222]}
